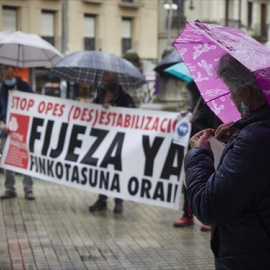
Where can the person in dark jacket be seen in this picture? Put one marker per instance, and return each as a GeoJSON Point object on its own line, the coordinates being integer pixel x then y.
{"type": "Point", "coordinates": [235, 199]}
{"type": "Point", "coordinates": [111, 95]}
{"type": "Point", "coordinates": [202, 118]}
{"type": "Point", "coordinates": [12, 82]}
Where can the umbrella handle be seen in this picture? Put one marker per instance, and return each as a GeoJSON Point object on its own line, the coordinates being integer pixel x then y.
{"type": "Point", "coordinates": [196, 106]}
{"type": "Point", "coordinates": [17, 64]}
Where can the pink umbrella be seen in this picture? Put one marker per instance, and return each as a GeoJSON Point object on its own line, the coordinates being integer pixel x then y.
{"type": "Point", "coordinates": [201, 45]}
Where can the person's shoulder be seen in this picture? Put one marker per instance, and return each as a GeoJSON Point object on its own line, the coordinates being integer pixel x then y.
{"type": "Point", "coordinates": [24, 86]}
{"type": "Point", "coordinates": [130, 101]}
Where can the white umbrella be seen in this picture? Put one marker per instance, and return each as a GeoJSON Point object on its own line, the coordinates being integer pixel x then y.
{"type": "Point", "coordinates": [27, 50]}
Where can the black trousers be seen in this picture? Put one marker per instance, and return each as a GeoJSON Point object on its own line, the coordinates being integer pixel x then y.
{"type": "Point", "coordinates": [186, 207]}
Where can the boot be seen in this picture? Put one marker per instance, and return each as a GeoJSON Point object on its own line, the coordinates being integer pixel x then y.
{"type": "Point", "coordinates": [29, 195]}
{"type": "Point", "coordinates": [205, 228]}
{"type": "Point", "coordinates": [8, 195]}
{"type": "Point", "coordinates": [118, 209]}
{"type": "Point", "coordinates": [184, 222]}
{"type": "Point", "coordinates": [98, 206]}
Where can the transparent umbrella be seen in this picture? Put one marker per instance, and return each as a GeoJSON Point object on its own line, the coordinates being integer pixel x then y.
{"type": "Point", "coordinates": [27, 50]}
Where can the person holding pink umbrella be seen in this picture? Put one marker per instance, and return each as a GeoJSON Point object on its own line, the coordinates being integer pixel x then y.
{"type": "Point", "coordinates": [235, 198]}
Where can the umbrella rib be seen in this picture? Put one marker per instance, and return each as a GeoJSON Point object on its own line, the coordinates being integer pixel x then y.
{"type": "Point", "coordinates": [217, 97]}
{"type": "Point", "coordinates": [47, 57]}
{"type": "Point", "coordinates": [18, 56]}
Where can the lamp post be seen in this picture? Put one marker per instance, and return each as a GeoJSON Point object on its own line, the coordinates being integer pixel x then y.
{"type": "Point", "coordinates": [170, 6]}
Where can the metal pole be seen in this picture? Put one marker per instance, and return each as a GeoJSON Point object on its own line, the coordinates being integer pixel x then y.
{"type": "Point", "coordinates": [169, 27]}
{"type": "Point", "coordinates": [226, 12]}
{"type": "Point", "coordinates": [63, 45]}
{"type": "Point", "coordinates": [63, 83]}
{"type": "Point", "coordinates": [180, 15]}
{"type": "Point", "coordinates": [239, 13]}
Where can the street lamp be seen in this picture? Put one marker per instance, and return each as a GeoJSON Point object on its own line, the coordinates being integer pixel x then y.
{"type": "Point", "coordinates": [191, 4]}
{"type": "Point", "coordinates": [170, 6]}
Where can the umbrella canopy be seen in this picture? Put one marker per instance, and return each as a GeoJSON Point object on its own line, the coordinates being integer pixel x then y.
{"type": "Point", "coordinates": [180, 71]}
{"type": "Point", "coordinates": [201, 46]}
{"type": "Point", "coordinates": [89, 66]}
{"type": "Point", "coordinates": [27, 50]}
{"type": "Point", "coordinates": [170, 59]}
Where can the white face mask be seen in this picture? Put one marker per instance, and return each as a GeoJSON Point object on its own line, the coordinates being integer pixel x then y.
{"type": "Point", "coordinates": [10, 82]}
{"type": "Point", "coordinates": [244, 110]}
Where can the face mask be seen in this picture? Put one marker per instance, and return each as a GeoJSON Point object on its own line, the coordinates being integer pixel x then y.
{"type": "Point", "coordinates": [112, 87]}
{"type": "Point", "coordinates": [244, 110]}
{"type": "Point", "coordinates": [10, 82]}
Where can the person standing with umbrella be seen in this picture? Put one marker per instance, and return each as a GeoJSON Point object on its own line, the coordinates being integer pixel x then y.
{"type": "Point", "coordinates": [111, 94]}
{"type": "Point", "coordinates": [235, 198]}
{"type": "Point", "coordinates": [202, 118]}
{"type": "Point", "coordinates": [11, 82]}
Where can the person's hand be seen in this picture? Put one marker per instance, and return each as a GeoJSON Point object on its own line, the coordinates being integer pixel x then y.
{"type": "Point", "coordinates": [106, 105]}
{"type": "Point", "coordinates": [3, 127]}
{"type": "Point", "coordinates": [201, 138]}
{"type": "Point", "coordinates": [225, 131]}
{"type": "Point", "coordinates": [183, 113]}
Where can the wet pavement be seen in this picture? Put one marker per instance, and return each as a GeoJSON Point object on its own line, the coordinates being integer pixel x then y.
{"type": "Point", "coordinates": [57, 231]}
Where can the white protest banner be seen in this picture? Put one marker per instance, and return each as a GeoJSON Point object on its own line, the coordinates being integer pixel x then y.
{"type": "Point", "coordinates": [120, 152]}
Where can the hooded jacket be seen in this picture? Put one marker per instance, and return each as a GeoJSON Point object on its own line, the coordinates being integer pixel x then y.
{"type": "Point", "coordinates": [227, 198]}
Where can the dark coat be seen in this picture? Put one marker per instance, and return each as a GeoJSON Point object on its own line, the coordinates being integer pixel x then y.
{"type": "Point", "coordinates": [121, 99]}
{"type": "Point", "coordinates": [226, 198]}
{"type": "Point", "coordinates": [204, 118]}
{"type": "Point", "coordinates": [21, 86]}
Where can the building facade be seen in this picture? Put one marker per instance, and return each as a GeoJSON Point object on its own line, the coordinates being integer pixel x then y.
{"type": "Point", "coordinates": [253, 16]}
{"type": "Point", "coordinates": [115, 26]}
{"type": "Point", "coordinates": [111, 26]}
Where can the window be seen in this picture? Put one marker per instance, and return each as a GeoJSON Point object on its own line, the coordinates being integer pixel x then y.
{"type": "Point", "coordinates": [9, 19]}
{"type": "Point", "coordinates": [47, 26]}
{"type": "Point", "coordinates": [89, 32]}
{"type": "Point", "coordinates": [249, 13]}
{"type": "Point", "coordinates": [126, 34]}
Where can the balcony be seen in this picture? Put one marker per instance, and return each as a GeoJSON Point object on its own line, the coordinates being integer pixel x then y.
{"type": "Point", "coordinates": [260, 32]}
{"type": "Point", "coordinates": [134, 4]}
{"type": "Point", "coordinates": [94, 1]}
{"type": "Point", "coordinates": [230, 23]}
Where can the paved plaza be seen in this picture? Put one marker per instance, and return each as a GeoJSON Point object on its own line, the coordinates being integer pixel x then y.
{"type": "Point", "coordinates": [57, 231]}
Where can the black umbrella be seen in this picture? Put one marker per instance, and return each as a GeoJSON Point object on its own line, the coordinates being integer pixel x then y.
{"type": "Point", "coordinates": [89, 66]}
{"type": "Point", "coordinates": [170, 59]}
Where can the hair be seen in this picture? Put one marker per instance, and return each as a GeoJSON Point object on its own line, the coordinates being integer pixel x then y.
{"type": "Point", "coordinates": [113, 77]}
{"type": "Point", "coordinates": [4, 68]}
{"type": "Point", "coordinates": [237, 77]}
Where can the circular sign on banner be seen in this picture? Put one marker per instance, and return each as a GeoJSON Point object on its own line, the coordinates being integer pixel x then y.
{"type": "Point", "coordinates": [183, 129]}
